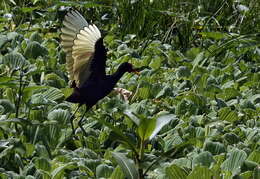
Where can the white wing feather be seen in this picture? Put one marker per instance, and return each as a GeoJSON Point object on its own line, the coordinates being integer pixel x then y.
{"type": "Point", "coordinates": [78, 40]}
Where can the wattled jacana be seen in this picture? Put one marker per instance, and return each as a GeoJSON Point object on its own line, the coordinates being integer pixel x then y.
{"type": "Point", "coordinates": [86, 61]}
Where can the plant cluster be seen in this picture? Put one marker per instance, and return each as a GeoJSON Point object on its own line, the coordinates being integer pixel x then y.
{"type": "Point", "coordinates": [194, 110]}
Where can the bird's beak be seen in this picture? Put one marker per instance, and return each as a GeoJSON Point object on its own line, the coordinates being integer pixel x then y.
{"type": "Point", "coordinates": [136, 72]}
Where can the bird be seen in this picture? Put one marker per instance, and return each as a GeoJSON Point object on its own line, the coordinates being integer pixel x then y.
{"type": "Point", "coordinates": [86, 58]}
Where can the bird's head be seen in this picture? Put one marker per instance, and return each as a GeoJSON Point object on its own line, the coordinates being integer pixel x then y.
{"type": "Point", "coordinates": [128, 67]}
{"type": "Point", "coordinates": [99, 46]}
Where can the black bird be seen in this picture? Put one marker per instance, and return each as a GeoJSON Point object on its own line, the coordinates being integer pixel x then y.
{"type": "Point", "coordinates": [86, 61]}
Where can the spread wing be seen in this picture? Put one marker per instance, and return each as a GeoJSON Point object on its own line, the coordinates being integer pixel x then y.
{"type": "Point", "coordinates": [78, 40]}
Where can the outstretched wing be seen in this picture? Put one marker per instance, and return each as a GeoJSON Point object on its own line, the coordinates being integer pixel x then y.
{"type": "Point", "coordinates": [78, 40]}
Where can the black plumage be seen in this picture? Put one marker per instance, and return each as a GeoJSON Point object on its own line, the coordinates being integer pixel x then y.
{"type": "Point", "coordinates": [86, 60]}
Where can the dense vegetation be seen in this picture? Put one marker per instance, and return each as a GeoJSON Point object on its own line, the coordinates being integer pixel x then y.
{"type": "Point", "coordinates": [194, 111]}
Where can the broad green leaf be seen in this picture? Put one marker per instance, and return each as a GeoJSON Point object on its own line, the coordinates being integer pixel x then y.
{"type": "Point", "coordinates": [203, 159]}
{"type": "Point", "coordinates": [42, 164]}
{"type": "Point", "coordinates": [156, 63]}
{"type": "Point", "coordinates": [144, 92]}
{"type": "Point", "coordinates": [183, 162]}
{"type": "Point", "coordinates": [146, 128]}
{"type": "Point", "coordinates": [197, 60]}
{"type": "Point", "coordinates": [175, 171]}
{"type": "Point", "coordinates": [35, 49]}
{"type": "Point", "coordinates": [234, 161]}
{"type": "Point", "coordinates": [53, 94]}
{"type": "Point", "coordinates": [127, 165]}
{"type": "Point", "coordinates": [231, 138]}
{"type": "Point", "coordinates": [254, 156]}
{"type": "Point", "coordinates": [229, 93]}
{"type": "Point", "coordinates": [120, 135]}
{"type": "Point", "coordinates": [247, 175]}
{"type": "Point", "coordinates": [161, 122]}
{"type": "Point", "coordinates": [117, 173]}
{"type": "Point", "coordinates": [214, 147]}
{"type": "Point", "coordinates": [133, 117]}
{"type": "Point", "coordinates": [59, 115]}
{"type": "Point", "coordinates": [7, 106]}
{"type": "Point", "coordinates": [30, 148]}
{"type": "Point", "coordinates": [214, 35]}
{"type": "Point", "coordinates": [35, 36]}
{"type": "Point", "coordinates": [200, 172]}
{"type": "Point", "coordinates": [54, 80]}
{"type": "Point", "coordinates": [104, 171]}
{"type": "Point", "coordinates": [3, 40]}
{"type": "Point", "coordinates": [228, 115]}
{"type": "Point", "coordinates": [15, 61]}
{"type": "Point", "coordinates": [60, 171]}
{"type": "Point", "coordinates": [66, 91]}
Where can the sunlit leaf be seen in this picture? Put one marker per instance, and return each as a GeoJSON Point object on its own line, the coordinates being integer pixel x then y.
{"type": "Point", "coordinates": [127, 165]}
{"type": "Point", "coordinates": [160, 123]}
{"type": "Point", "coordinates": [174, 171]}
{"type": "Point", "coordinates": [146, 128]}
{"type": "Point", "coordinates": [59, 171]}
{"type": "Point", "coordinates": [234, 161]}
{"type": "Point", "coordinates": [117, 174]}
{"type": "Point", "coordinates": [59, 115]}
{"type": "Point", "coordinates": [200, 172]}
{"type": "Point", "coordinates": [15, 61]}
{"type": "Point", "coordinates": [228, 115]}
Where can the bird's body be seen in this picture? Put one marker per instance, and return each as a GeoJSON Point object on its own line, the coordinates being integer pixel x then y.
{"type": "Point", "coordinates": [86, 61]}
{"type": "Point", "coordinates": [94, 89]}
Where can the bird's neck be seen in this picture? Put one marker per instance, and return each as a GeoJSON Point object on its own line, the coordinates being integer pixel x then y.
{"type": "Point", "coordinates": [117, 75]}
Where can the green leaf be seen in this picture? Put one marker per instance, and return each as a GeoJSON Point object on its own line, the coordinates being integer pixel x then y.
{"type": "Point", "coordinates": [53, 94]}
{"type": "Point", "coordinates": [203, 159]}
{"type": "Point", "coordinates": [59, 115]}
{"type": "Point", "coordinates": [156, 63]}
{"type": "Point", "coordinates": [214, 35]}
{"type": "Point", "coordinates": [197, 60]}
{"type": "Point", "coordinates": [59, 172]}
{"type": "Point", "coordinates": [161, 122]}
{"type": "Point", "coordinates": [7, 106]}
{"type": "Point", "coordinates": [120, 135]}
{"type": "Point", "coordinates": [54, 80]}
{"type": "Point", "coordinates": [35, 49]}
{"type": "Point", "coordinates": [35, 36]}
{"type": "Point", "coordinates": [228, 115]}
{"type": "Point", "coordinates": [175, 172]}
{"type": "Point", "coordinates": [15, 61]}
{"type": "Point", "coordinates": [103, 171]}
{"type": "Point", "coordinates": [42, 164]}
{"type": "Point", "coordinates": [231, 138]}
{"type": "Point", "coordinates": [117, 173]}
{"type": "Point", "coordinates": [146, 128]}
{"type": "Point", "coordinates": [214, 147]}
{"type": "Point", "coordinates": [200, 172]}
{"type": "Point", "coordinates": [3, 40]}
{"type": "Point", "coordinates": [234, 161]}
{"type": "Point", "coordinates": [254, 156]}
{"type": "Point", "coordinates": [127, 165]}
{"type": "Point", "coordinates": [133, 117]}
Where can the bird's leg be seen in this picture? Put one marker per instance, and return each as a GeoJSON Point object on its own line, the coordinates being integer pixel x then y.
{"type": "Point", "coordinates": [81, 120]}
{"type": "Point", "coordinates": [71, 119]}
